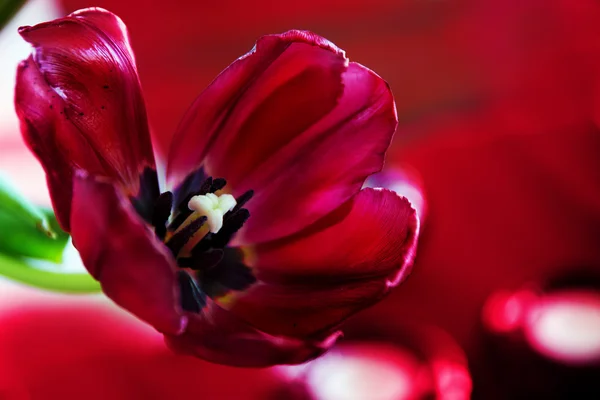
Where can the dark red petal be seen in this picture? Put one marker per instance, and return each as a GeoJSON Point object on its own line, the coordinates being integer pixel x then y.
{"type": "Point", "coordinates": [56, 142]}
{"type": "Point", "coordinates": [327, 164]}
{"type": "Point", "coordinates": [79, 98]}
{"type": "Point", "coordinates": [244, 86]}
{"type": "Point", "coordinates": [135, 270]}
{"type": "Point", "coordinates": [348, 261]}
{"type": "Point", "coordinates": [219, 336]}
{"type": "Point", "coordinates": [294, 121]}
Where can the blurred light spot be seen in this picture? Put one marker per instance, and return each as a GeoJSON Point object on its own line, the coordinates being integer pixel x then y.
{"type": "Point", "coordinates": [453, 381]}
{"type": "Point", "coordinates": [374, 371]}
{"type": "Point", "coordinates": [505, 311]}
{"type": "Point", "coordinates": [14, 49]}
{"type": "Point", "coordinates": [565, 326]}
{"type": "Point", "coordinates": [403, 183]}
{"type": "Point", "coordinates": [20, 166]}
{"type": "Point", "coordinates": [420, 362]}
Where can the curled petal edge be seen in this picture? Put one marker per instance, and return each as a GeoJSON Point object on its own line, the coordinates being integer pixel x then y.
{"type": "Point", "coordinates": [220, 337]}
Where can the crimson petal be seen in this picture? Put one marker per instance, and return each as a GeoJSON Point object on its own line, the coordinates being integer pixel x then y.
{"type": "Point", "coordinates": [218, 336]}
{"type": "Point", "coordinates": [80, 103]}
{"type": "Point", "coordinates": [296, 122]}
{"type": "Point", "coordinates": [312, 281]}
{"type": "Point", "coordinates": [241, 89]}
{"type": "Point", "coordinates": [134, 268]}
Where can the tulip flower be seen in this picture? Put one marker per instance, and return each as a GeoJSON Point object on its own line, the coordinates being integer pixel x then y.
{"type": "Point", "coordinates": [257, 241]}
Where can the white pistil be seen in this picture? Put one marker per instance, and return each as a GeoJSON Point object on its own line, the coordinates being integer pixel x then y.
{"type": "Point", "coordinates": [213, 207]}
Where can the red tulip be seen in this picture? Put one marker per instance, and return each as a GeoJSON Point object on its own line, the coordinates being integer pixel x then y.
{"type": "Point", "coordinates": [257, 269]}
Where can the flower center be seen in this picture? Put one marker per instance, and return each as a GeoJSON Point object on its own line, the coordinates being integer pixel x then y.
{"type": "Point", "coordinates": [196, 223]}
{"type": "Point", "coordinates": [213, 207]}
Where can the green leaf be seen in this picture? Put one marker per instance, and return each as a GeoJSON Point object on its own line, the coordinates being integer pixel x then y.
{"type": "Point", "coordinates": [26, 230]}
{"type": "Point", "coordinates": [8, 8]}
{"type": "Point", "coordinates": [19, 270]}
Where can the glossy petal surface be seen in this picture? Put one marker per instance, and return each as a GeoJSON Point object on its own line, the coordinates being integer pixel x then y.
{"type": "Point", "coordinates": [45, 133]}
{"type": "Point", "coordinates": [294, 121]}
{"type": "Point", "coordinates": [219, 336]}
{"type": "Point", "coordinates": [134, 268]}
{"type": "Point", "coordinates": [79, 100]}
{"type": "Point", "coordinates": [311, 282]}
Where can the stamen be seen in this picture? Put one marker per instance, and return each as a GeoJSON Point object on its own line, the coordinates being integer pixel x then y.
{"type": "Point", "coordinates": [148, 193]}
{"type": "Point", "coordinates": [213, 207]}
{"type": "Point", "coordinates": [208, 185]}
{"type": "Point", "coordinates": [181, 237]}
{"type": "Point", "coordinates": [233, 223]}
{"type": "Point", "coordinates": [198, 235]}
{"type": "Point", "coordinates": [205, 188]}
{"type": "Point", "coordinates": [242, 200]}
{"type": "Point", "coordinates": [184, 192]}
{"type": "Point", "coordinates": [179, 219]}
{"type": "Point", "coordinates": [161, 213]}
{"type": "Point", "coordinates": [218, 184]}
{"type": "Point", "coordinates": [203, 245]}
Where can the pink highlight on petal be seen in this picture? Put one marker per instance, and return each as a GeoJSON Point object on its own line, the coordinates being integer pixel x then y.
{"type": "Point", "coordinates": [403, 181]}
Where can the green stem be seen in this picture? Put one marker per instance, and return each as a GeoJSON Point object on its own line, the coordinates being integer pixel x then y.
{"type": "Point", "coordinates": [8, 8]}
{"type": "Point", "coordinates": [18, 270]}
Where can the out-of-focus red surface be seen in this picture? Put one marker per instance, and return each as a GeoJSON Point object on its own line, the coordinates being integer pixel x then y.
{"type": "Point", "coordinates": [512, 185]}
{"type": "Point", "coordinates": [57, 347]}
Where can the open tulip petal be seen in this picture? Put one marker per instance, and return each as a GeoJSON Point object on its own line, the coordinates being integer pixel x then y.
{"type": "Point", "coordinates": [86, 92]}
{"type": "Point", "coordinates": [327, 164]}
{"type": "Point", "coordinates": [240, 101]}
{"type": "Point", "coordinates": [371, 235]}
{"type": "Point", "coordinates": [219, 336]}
{"type": "Point", "coordinates": [134, 268]}
{"type": "Point", "coordinates": [52, 138]}
{"type": "Point", "coordinates": [312, 281]}
{"type": "Point", "coordinates": [302, 107]}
